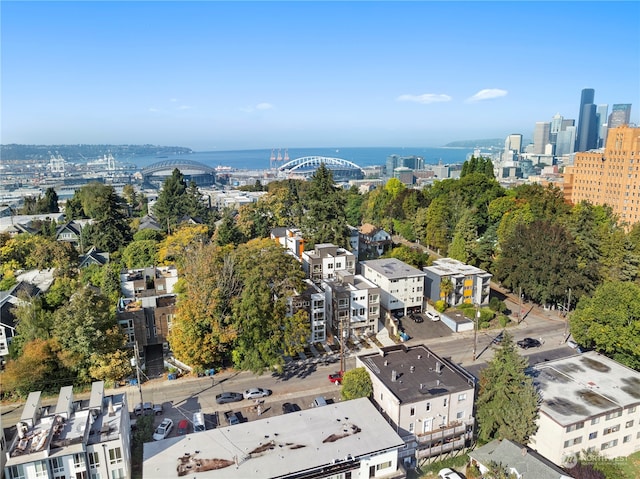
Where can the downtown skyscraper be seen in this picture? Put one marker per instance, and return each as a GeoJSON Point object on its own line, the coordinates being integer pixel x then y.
{"type": "Point", "coordinates": [587, 137]}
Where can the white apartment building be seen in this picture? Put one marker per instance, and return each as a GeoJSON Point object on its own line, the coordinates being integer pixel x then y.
{"type": "Point", "coordinates": [344, 440]}
{"type": "Point", "coordinates": [312, 300]}
{"type": "Point", "coordinates": [76, 439]}
{"type": "Point", "coordinates": [326, 260]}
{"type": "Point", "coordinates": [470, 284]}
{"type": "Point", "coordinates": [589, 402]}
{"type": "Point", "coordinates": [401, 286]}
{"type": "Point", "coordinates": [353, 304]}
{"type": "Point", "coordinates": [427, 399]}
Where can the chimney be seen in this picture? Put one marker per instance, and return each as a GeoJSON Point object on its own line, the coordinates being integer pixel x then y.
{"type": "Point", "coordinates": [438, 367]}
{"type": "Point", "coordinates": [386, 363]}
{"type": "Point", "coordinates": [393, 376]}
{"type": "Point", "coordinates": [412, 368]}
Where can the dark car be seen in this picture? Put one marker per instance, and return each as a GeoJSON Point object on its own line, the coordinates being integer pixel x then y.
{"type": "Point", "coordinates": [290, 407]}
{"type": "Point", "coordinates": [224, 398]}
{"type": "Point", "coordinates": [527, 343]}
{"type": "Point", "coordinates": [417, 318]}
{"type": "Point", "coordinates": [498, 339]}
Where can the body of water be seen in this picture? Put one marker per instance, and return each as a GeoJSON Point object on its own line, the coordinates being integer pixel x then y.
{"type": "Point", "coordinates": [260, 159]}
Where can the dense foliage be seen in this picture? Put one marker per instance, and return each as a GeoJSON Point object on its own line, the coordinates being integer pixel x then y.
{"type": "Point", "coordinates": [356, 383]}
{"type": "Point", "coordinates": [507, 404]}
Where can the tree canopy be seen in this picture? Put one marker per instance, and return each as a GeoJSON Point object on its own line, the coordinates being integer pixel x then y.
{"type": "Point", "coordinates": [356, 383]}
{"type": "Point", "coordinates": [508, 403]}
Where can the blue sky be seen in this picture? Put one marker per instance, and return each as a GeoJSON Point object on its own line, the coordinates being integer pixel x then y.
{"type": "Point", "coordinates": [241, 75]}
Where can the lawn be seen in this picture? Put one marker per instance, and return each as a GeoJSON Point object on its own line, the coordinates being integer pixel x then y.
{"type": "Point", "coordinates": [631, 465]}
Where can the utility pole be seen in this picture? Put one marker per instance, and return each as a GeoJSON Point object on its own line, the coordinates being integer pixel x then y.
{"type": "Point", "coordinates": [566, 315]}
{"type": "Point", "coordinates": [520, 304]}
{"type": "Point", "coordinates": [475, 331]}
{"type": "Point", "coordinates": [135, 351]}
{"type": "Point", "coordinates": [341, 327]}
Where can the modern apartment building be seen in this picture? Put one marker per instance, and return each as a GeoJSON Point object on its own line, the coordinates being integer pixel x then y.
{"type": "Point", "coordinates": [468, 284]}
{"type": "Point", "coordinates": [589, 402]}
{"type": "Point", "coordinates": [74, 439]}
{"type": "Point", "coordinates": [312, 300]}
{"type": "Point", "coordinates": [343, 440]}
{"type": "Point", "coordinates": [609, 177]}
{"type": "Point", "coordinates": [325, 260]}
{"type": "Point", "coordinates": [401, 286]}
{"type": "Point", "coordinates": [428, 400]}
{"type": "Point", "coordinates": [352, 304]}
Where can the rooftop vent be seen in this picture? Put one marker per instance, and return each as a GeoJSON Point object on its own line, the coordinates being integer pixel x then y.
{"type": "Point", "coordinates": [438, 367]}
{"type": "Point", "coordinates": [412, 368]}
{"type": "Point", "coordinates": [394, 376]}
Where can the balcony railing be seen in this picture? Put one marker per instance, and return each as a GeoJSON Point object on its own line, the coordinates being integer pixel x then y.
{"type": "Point", "coordinates": [440, 434]}
{"type": "Point", "coordinates": [437, 449]}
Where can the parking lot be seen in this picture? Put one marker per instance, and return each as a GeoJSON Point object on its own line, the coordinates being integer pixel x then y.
{"type": "Point", "coordinates": [426, 329]}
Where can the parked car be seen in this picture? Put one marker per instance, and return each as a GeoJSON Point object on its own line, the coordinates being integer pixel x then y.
{"type": "Point", "coordinates": [224, 398]}
{"type": "Point", "coordinates": [198, 422]}
{"type": "Point", "coordinates": [183, 427]}
{"type": "Point", "coordinates": [448, 474]}
{"type": "Point", "coordinates": [290, 407]}
{"type": "Point", "coordinates": [163, 430]}
{"type": "Point", "coordinates": [527, 343]}
{"type": "Point", "coordinates": [232, 418]}
{"type": "Point", "coordinates": [157, 409]}
{"type": "Point", "coordinates": [255, 393]}
{"type": "Point", "coordinates": [319, 401]}
{"type": "Point", "coordinates": [432, 316]}
{"type": "Point", "coordinates": [336, 378]}
{"type": "Point", "coordinates": [146, 409]}
{"type": "Point", "coordinates": [498, 339]}
{"type": "Point", "coordinates": [416, 317]}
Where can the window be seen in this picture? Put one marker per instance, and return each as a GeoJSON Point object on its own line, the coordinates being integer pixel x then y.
{"type": "Point", "coordinates": [445, 402]}
{"type": "Point", "coordinates": [81, 475]}
{"type": "Point", "coordinates": [115, 455]}
{"type": "Point", "coordinates": [384, 465]}
{"type": "Point", "coordinates": [575, 426]}
{"type": "Point", "coordinates": [626, 439]}
{"type": "Point", "coordinates": [607, 445]}
{"type": "Point", "coordinates": [117, 474]}
{"type": "Point", "coordinates": [428, 406]}
{"type": "Point", "coordinates": [95, 475]}
{"type": "Point", "coordinates": [411, 427]}
{"type": "Point", "coordinates": [462, 397]}
{"type": "Point", "coordinates": [573, 442]}
{"type": "Point", "coordinates": [94, 460]}
{"type": "Point", "coordinates": [595, 420]}
{"type": "Point", "coordinates": [460, 415]}
{"type": "Point", "coordinates": [338, 265]}
{"type": "Point", "coordinates": [16, 472]}
{"type": "Point", "coordinates": [612, 415]}
{"type": "Point", "coordinates": [412, 412]}
{"type": "Point", "coordinates": [628, 424]}
{"type": "Point", "coordinates": [631, 410]}
{"type": "Point", "coordinates": [611, 429]}
{"type": "Point", "coordinates": [78, 461]}
{"type": "Point", "coordinates": [41, 469]}
{"type": "Point", "coordinates": [57, 465]}
{"type": "Point", "coordinates": [593, 435]}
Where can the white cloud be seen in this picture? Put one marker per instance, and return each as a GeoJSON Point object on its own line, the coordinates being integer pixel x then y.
{"type": "Point", "coordinates": [184, 107]}
{"type": "Point", "coordinates": [425, 98]}
{"type": "Point", "coordinates": [264, 106]}
{"type": "Point", "coordinates": [487, 94]}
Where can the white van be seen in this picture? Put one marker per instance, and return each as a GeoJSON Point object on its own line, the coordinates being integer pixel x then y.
{"type": "Point", "coordinates": [319, 401]}
{"type": "Point", "coordinates": [198, 422]}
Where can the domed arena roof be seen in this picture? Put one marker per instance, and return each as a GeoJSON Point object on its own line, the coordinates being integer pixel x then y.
{"type": "Point", "coordinates": [203, 175]}
{"type": "Point", "coordinates": [343, 170]}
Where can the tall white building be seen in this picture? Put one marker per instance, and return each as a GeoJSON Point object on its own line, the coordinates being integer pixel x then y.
{"type": "Point", "coordinates": [76, 439]}
{"type": "Point", "coordinates": [541, 137]}
{"type": "Point", "coordinates": [401, 286]}
{"type": "Point", "coordinates": [589, 402]}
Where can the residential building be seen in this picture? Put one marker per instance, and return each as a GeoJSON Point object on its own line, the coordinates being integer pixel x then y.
{"type": "Point", "coordinates": [148, 306]}
{"type": "Point", "coordinates": [620, 115]}
{"type": "Point", "coordinates": [354, 240]}
{"type": "Point", "coordinates": [374, 241]}
{"type": "Point", "coordinates": [587, 137]}
{"type": "Point", "coordinates": [589, 402]}
{"type": "Point", "coordinates": [291, 239]}
{"type": "Point", "coordinates": [468, 284]}
{"type": "Point", "coordinates": [609, 176]}
{"type": "Point", "coordinates": [516, 459]}
{"type": "Point", "coordinates": [16, 224]}
{"type": "Point", "coordinates": [80, 439]}
{"type": "Point", "coordinates": [341, 440]}
{"type": "Point", "coordinates": [325, 260]}
{"type": "Point", "coordinates": [427, 399]}
{"type": "Point", "coordinates": [93, 256]}
{"type": "Point", "coordinates": [352, 304]}
{"type": "Point", "coordinates": [401, 286]}
{"type": "Point", "coordinates": [312, 300]}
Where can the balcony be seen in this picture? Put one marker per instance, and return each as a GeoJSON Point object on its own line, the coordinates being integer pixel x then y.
{"type": "Point", "coordinates": [437, 449]}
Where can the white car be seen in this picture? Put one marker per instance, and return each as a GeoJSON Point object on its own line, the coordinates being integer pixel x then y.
{"type": "Point", "coordinates": [255, 393]}
{"type": "Point", "coordinates": [448, 474]}
{"type": "Point", "coordinates": [432, 316]}
{"type": "Point", "coordinates": [163, 430]}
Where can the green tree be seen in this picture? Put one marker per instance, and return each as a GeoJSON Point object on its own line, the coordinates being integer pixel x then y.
{"type": "Point", "coordinates": [227, 231]}
{"type": "Point", "coordinates": [609, 322]}
{"type": "Point", "coordinates": [325, 220]}
{"type": "Point", "coordinates": [413, 256]}
{"type": "Point", "coordinates": [464, 238]}
{"type": "Point", "coordinates": [111, 367]}
{"type": "Point", "coordinates": [169, 207]}
{"type": "Point", "coordinates": [32, 320]}
{"type": "Point", "coordinates": [508, 403]}
{"type": "Point", "coordinates": [140, 254]}
{"type": "Point", "coordinates": [356, 383]}
{"type": "Point", "coordinates": [540, 258]}
{"type": "Point", "coordinates": [353, 208]}
{"type": "Point", "coordinates": [49, 202]}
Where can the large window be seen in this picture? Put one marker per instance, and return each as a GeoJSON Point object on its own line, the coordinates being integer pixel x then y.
{"type": "Point", "coordinates": [94, 460]}
{"type": "Point", "coordinates": [611, 429]}
{"type": "Point", "coordinates": [16, 472]}
{"type": "Point", "coordinates": [384, 465]}
{"type": "Point", "coordinates": [57, 466]}
{"type": "Point", "coordinates": [115, 455]}
{"type": "Point", "coordinates": [41, 468]}
{"type": "Point", "coordinates": [78, 461]}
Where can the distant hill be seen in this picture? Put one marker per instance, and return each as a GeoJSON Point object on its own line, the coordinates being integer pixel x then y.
{"type": "Point", "coordinates": [495, 142]}
{"type": "Point", "coordinates": [80, 153]}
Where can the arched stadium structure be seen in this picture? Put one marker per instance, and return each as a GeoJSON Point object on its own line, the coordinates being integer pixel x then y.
{"type": "Point", "coordinates": [343, 170]}
{"type": "Point", "coordinates": [156, 173]}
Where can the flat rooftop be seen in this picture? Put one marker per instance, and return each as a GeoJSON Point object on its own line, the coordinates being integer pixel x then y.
{"type": "Point", "coordinates": [585, 385]}
{"type": "Point", "coordinates": [392, 268]}
{"type": "Point", "coordinates": [450, 266]}
{"type": "Point", "coordinates": [420, 374]}
{"type": "Point", "coordinates": [276, 446]}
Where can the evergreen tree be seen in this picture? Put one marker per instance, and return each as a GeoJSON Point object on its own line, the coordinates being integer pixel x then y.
{"type": "Point", "coordinates": [168, 208]}
{"type": "Point", "coordinates": [508, 403]}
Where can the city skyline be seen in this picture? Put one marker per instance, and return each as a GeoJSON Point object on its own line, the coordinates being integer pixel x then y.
{"type": "Point", "coordinates": [244, 75]}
